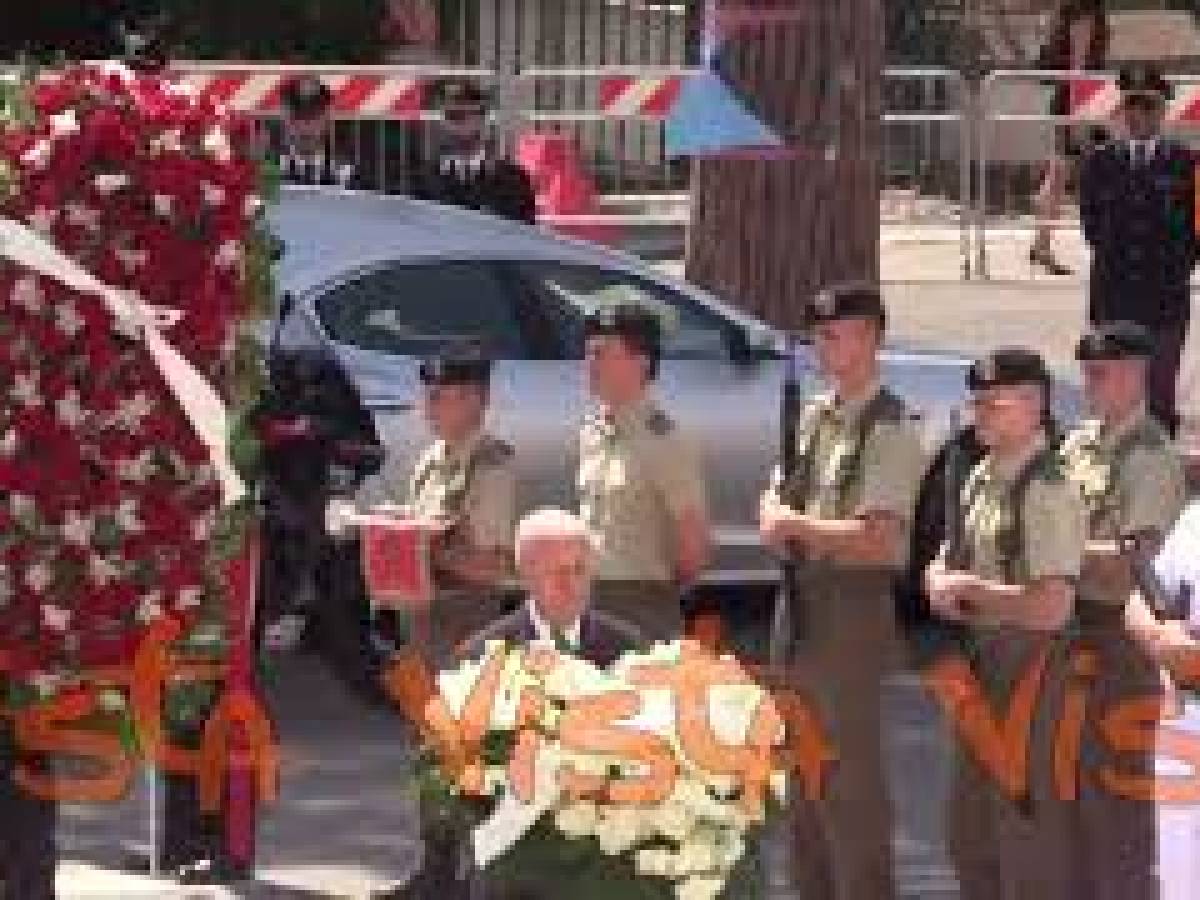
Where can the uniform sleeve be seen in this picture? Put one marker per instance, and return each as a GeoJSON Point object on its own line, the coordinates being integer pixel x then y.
{"type": "Point", "coordinates": [893, 463]}
{"type": "Point", "coordinates": [1152, 492]}
{"type": "Point", "coordinates": [493, 509]}
{"type": "Point", "coordinates": [1055, 530]}
{"type": "Point", "coordinates": [680, 476]}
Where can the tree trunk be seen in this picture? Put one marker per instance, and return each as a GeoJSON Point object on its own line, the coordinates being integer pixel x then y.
{"type": "Point", "coordinates": [767, 232]}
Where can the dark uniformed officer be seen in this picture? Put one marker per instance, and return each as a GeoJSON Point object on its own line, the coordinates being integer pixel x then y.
{"type": "Point", "coordinates": [641, 489]}
{"type": "Point", "coordinates": [28, 848]}
{"type": "Point", "coordinates": [844, 514]}
{"type": "Point", "coordinates": [1137, 201]}
{"type": "Point", "coordinates": [465, 169]}
{"type": "Point", "coordinates": [305, 152]}
{"type": "Point", "coordinates": [1009, 573]}
{"type": "Point", "coordinates": [1133, 486]}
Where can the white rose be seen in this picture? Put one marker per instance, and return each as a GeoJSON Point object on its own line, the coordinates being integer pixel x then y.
{"type": "Point", "coordinates": [189, 598]}
{"type": "Point", "coordinates": [216, 145]}
{"type": "Point", "coordinates": [101, 571]}
{"type": "Point", "coordinates": [696, 854]}
{"type": "Point", "coordinates": [64, 123]}
{"type": "Point", "coordinates": [68, 320]}
{"type": "Point", "coordinates": [42, 219]}
{"type": "Point", "coordinates": [169, 141]}
{"type": "Point", "coordinates": [131, 259]}
{"type": "Point", "coordinates": [229, 254]}
{"type": "Point", "coordinates": [150, 607]}
{"type": "Point", "coordinates": [110, 182]}
{"type": "Point", "coordinates": [55, 617]}
{"type": "Point", "coordinates": [39, 577]}
{"type": "Point", "coordinates": [38, 155]}
{"type": "Point", "coordinates": [111, 68]}
{"type": "Point", "coordinates": [77, 529]}
{"type": "Point", "coordinates": [674, 820]}
{"type": "Point", "coordinates": [620, 827]}
{"type": "Point", "coordinates": [699, 888]}
{"type": "Point", "coordinates": [46, 683]}
{"type": "Point", "coordinates": [9, 443]}
{"type": "Point", "coordinates": [27, 294]}
{"type": "Point", "coordinates": [655, 861]}
{"type": "Point", "coordinates": [163, 204]}
{"type": "Point", "coordinates": [251, 205]}
{"type": "Point", "coordinates": [127, 518]}
{"type": "Point", "coordinates": [23, 506]}
{"type": "Point", "coordinates": [214, 194]}
{"type": "Point", "coordinates": [69, 409]}
{"type": "Point", "coordinates": [25, 389]}
{"type": "Point", "coordinates": [111, 700]}
{"type": "Point", "coordinates": [731, 850]}
{"type": "Point", "coordinates": [577, 819]}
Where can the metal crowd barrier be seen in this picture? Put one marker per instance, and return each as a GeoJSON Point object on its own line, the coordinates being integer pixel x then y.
{"type": "Point", "coordinates": [1018, 100]}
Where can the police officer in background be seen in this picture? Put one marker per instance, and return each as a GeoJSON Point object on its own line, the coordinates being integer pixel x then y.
{"type": "Point", "coordinates": [1133, 486]}
{"type": "Point", "coordinates": [466, 169]}
{"type": "Point", "coordinates": [1009, 573]}
{"type": "Point", "coordinates": [641, 489]}
{"type": "Point", "coordinates": [1137, 203]}
{"type": "Point", "coordinates": [305, 152]}
{"type": "Point", "coordinates": [28, 846]}
{"type": "Point", "coordinates": [844, 515]}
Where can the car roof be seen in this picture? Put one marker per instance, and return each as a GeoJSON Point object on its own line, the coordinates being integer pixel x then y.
{"type": "Point", "coordinates": [328, 232]}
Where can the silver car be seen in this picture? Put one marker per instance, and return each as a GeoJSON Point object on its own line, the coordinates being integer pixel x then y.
{"type": "Point", "coordinates": [379, 281]}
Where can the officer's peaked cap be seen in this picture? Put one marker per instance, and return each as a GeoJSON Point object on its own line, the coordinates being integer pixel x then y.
{"type": "Point", "coordinates": [1115, 340]}
{"type": "Point", "coordinates": [1008, 367]}
{"type": "Point", "coordinates": [457, 365]}
{"type": "Point", "coordinates": [848, 301]}
{"type": "Point", "coordinates": [1143, 80]}
{"type": "Point", "coordinates": [305, 96]}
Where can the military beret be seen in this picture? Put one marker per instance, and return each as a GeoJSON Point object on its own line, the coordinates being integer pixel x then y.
{"type": "Point", "coordinates": [1143, 80]}
{"type": "Point", "coordinates": [1008, 367]}
{"type": "Point", "coordinates": [1115, 340]}
{"type": "Point", "coordinates": [306, 96]}
{"type": "Point", "coordinates": [457, 366]}
{"type": "Point", "coordinates": [848, 301]}
{"type": "Point", "coordinates": [637, 325]}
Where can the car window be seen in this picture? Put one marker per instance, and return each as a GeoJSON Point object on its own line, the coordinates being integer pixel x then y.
{"type": "Point", "coordinates": [415, 310]}
{"type": "Point", "coordinates": [569, 293]}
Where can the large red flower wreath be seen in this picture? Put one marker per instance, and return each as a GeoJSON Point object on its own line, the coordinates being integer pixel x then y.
{"type": "Point", "coordinates": [108, 500]}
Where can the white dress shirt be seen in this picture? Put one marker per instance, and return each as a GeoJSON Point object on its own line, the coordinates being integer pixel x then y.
{"type": "Point", "coordinates": [545, 632]}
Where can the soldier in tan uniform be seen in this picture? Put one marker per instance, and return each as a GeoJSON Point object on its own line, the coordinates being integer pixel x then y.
{"type": "Point", "coordinates": [1009, 571]}
{"type": "Point", "coordinates": [641, 490]}
{"type": "Point", "coordinates": [1133, 485]}
{"type": "Point", "coordinates": [464, 485]}
{"type": "Point", "coordinates": [845, 516]}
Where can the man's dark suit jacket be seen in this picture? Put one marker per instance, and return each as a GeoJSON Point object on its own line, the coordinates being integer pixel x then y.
{"type": "Point", "coordinates": [603, 639]}
{"type": "Point", "coordinates": [1140, 221]}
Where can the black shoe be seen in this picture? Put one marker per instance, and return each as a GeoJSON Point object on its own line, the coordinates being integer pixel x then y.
{"type": "Point", "coordinates": [212, 871]}
{"type": "Point", "coordinates": [1044, 257]}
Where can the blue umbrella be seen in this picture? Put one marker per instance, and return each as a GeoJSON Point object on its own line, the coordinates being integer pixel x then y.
{"type": "Point", "coordinates": [709, 118]}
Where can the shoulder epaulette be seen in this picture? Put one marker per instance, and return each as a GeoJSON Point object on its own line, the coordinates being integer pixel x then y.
{"type": "Point", "coordinates": [659, 423]}
{"type": "Point", "coordinates": [493, 452]}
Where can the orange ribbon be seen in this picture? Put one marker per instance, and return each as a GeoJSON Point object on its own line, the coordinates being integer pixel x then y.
{"type": "Point", "coordinates": [237, 736]}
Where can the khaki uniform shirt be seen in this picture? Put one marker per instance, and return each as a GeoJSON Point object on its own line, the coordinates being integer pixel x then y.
{"type": "Point", "coordinates": [637, 475]}
{"type": "Point", "coordinates": [474, 484]}
{"type": "Point", "coordinates": [884, 479]}
{"type": "Point", "coordinates": [1132, 482]}
{"type": "Point", "coordinates": [1053, 529]}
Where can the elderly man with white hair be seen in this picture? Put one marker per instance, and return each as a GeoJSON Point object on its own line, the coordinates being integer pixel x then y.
{"type": "Point", "coordinates": [556, 561]}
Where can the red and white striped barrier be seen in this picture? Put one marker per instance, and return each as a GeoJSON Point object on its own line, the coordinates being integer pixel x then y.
{"type": "Point", "coordinates": [366, 96]}
{"type": "Point", "coordinates": [1097, 99]}
{"type": "Point", "coordinates": [625, 97]}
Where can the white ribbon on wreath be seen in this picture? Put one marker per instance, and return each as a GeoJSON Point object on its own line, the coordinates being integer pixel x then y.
{"type": "Point", "coordinates": [199, 400]}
